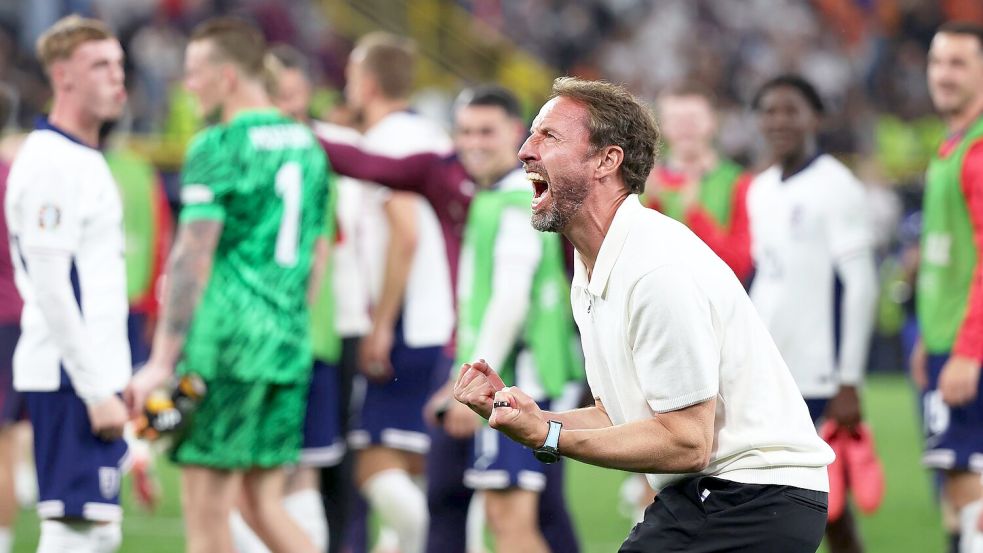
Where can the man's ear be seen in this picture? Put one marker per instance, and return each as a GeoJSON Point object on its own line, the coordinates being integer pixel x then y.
{"type": "Point", "coordinates": [230, 77]}
{"type": "Point", "coordinates": [59, 75]}
{"type": "Point", "coordinates": [609, 160]}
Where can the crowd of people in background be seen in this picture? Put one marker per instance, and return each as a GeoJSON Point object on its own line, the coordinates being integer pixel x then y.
{"type": "Point", "coordinates": [867, 59]}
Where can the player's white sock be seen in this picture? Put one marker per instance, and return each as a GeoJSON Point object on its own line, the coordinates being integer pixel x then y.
{"type": "Point", "coordinates": [6, 540]}
{"type": "Point", "coordinates": [401, 505]}
{"type": "Point", "coordinates": [475, 526]}
{"type": "Point", "coordinates": [26, 484]}
{"type": "Point", "coordinates": [243, 537]}
{"type": "Point", "coordinates": [105, 538]}
{"type": "Point", "coordinates": [971, 540]}
{"type": "Point", "coordinates": [307, 510]}
{"type": "Point", "coordinates": [59, 537]}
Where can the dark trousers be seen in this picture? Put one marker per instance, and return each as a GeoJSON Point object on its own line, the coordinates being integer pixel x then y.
{"type": "Point", "coordinates": [711, 515]}
{"type": "Point", "coordinates": [337, 489]}
{"type": "Point", "coordinates": [448, 498]}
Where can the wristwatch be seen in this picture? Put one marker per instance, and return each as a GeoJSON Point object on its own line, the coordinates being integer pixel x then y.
{"type": "Point", "coordinates": [549, 452]}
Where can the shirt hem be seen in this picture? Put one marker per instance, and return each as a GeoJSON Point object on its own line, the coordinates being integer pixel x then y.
{"type": "Point", "coordinates": [809, 478]}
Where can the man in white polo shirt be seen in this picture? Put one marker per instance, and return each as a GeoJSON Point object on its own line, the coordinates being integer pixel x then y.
{"type": "Point", "coordinates": [688, 385]}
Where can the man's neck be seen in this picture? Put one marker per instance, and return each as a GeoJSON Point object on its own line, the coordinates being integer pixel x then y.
{"type": "Point", "coordinates": [587, 230]}
{"type": "Point", "coordinates": [794, 163]}
{"type": "Point", "coordinates": [378, 110]}
{"type": "Point", "coordinates": [250, 96]}
{"type": "Point", "coordinates": [67, 117]}
{"type": "Point", "coordinates": [961, 121]}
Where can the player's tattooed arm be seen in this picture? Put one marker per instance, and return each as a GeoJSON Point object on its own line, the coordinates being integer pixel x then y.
{"type": "Point", "coordinates": [188, 270]}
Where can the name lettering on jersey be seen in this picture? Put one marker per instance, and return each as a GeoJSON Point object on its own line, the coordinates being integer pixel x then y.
{"type": "Point", "coordinates": [49, 217]}
{"type": "Point", "coordinates": [196, 194]}
{"type": "Point", "coordinates": [280, 137]}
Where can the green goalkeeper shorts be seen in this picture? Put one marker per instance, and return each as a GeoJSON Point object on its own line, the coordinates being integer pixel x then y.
{"type": "Point", "coordinates": [241, 425]}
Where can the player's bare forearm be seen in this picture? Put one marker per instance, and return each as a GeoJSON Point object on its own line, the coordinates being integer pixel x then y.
{"type": "Point", "coordinates": [401, 214]}
{"type": "Point", "coordinates": [587, 418]}
{"type": "Point", "coordinates": [322, 251]}
{"type": "Point", "coordinates": [188, 270]}
{"type": "Point", "coordinates": [675, 442]}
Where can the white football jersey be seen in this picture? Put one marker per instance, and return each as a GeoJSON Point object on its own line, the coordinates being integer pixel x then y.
{"type": "Point", "coordinates": [800, 228]}
{"type": "Point", "coordinates": [61, 198]}
{"type": "Point", "coordinates": [350, 289]}
{"type": "Point", "coordinates": [428, 304]}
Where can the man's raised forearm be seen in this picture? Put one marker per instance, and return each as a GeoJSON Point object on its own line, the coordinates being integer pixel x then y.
{"type": "Point", "coordinates": [675, 442]}
{"type": "Point", "coordinates": [587, 418]}
{"type": "Point", "coordinates": [188, 270]}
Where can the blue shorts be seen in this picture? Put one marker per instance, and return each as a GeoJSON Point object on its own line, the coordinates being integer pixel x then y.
{"type": "Point", "coordinates": [323, 444]}
{"type": "Point", "coordinates": [953, 435]}
{"type": "Point", "coordinates": [391, 413]}
{"type": "Point", "coordinates": [12, 407]}
{"type": "Point", "coordinates": [500, 463]}
{"type": "Point", "coordinates": [136, 332]}
{"type": "Point", "coordinates": [79, 474]}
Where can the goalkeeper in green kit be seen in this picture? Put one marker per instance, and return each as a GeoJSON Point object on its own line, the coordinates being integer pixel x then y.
{"type": "Point", "coordinates": [235, 307]}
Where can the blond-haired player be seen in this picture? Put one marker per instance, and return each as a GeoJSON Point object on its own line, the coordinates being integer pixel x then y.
{"type": "Point", "coordinates": [73, 357]}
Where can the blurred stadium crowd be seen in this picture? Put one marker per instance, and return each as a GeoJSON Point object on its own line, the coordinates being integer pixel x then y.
{"type": "Point", "coordinates": [867, 57]}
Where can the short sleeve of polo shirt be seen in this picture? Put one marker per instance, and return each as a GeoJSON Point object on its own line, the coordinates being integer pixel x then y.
{"type": "Point", "coordinates": [673, 340]}
{"type": "Point", "coordinates": [847, 222]}
{"type": "Point", "coordinates": [207, 179]}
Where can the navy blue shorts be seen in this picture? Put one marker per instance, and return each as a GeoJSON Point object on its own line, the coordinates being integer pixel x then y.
{"type": "Point", "coordinates": [323, 444]}
{"type": "Point", "coordinates": [78, 474]}
{"type": "Point", "coordinates": [136, 332]}
{"type": "Point", "coordinates": [12, 407]}
{"type": "Point", "coordinates": [953, 435]}
{"type": "Point", "coordinates": [817, 406]}
{"type": "Point", "coordinates": [391, 413]}
{"type": "Point", "coordinates": [500, 463]}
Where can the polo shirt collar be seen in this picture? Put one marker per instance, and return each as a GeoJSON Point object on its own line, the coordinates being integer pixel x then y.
{"type": "Point", "coordinates": [611, 248]}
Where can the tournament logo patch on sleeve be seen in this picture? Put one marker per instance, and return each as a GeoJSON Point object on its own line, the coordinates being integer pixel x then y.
{"type": "Point", "coordinates": [49, 217]}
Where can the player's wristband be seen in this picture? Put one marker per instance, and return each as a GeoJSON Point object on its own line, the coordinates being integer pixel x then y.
{"type": "Point", "coordinates": [549, 452]}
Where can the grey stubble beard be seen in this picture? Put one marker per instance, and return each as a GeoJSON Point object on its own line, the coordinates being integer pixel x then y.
{"type": "Point", "coordinates": [561, 210]}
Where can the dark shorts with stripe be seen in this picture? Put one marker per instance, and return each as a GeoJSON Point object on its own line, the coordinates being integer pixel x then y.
{"type": "Point", "coordinates": [391, 412]}
{"type": "Point", "coordinates": [500, 463]}
{"type": "Point", "coordinates": [79, 474]}
{"type": "Point", "coordinates": [323, 445]}
{"type": "Point", "coordinates": [953, 435]}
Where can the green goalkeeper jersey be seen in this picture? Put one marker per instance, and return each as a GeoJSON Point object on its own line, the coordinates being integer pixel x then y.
{"type": "Point", "coordinates": [265, 178]}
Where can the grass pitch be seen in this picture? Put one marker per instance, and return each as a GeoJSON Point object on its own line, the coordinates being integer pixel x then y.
{"type": "Point", "coordinates": [908, 521]}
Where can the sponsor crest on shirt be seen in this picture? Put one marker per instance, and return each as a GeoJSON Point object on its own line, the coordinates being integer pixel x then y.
{"type": "Point", "coordinates": [109, 481]}
{"type": "Point", "coordinates": [49, 217]}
